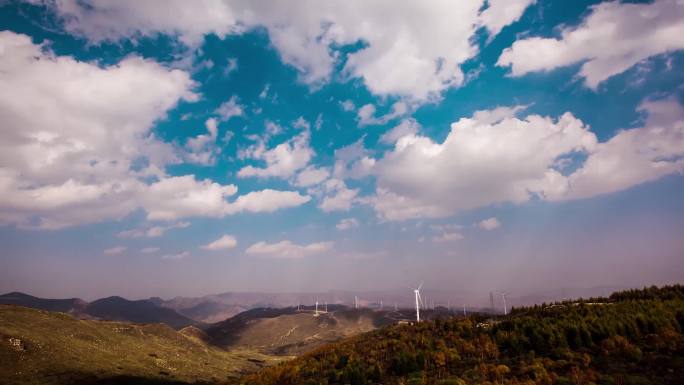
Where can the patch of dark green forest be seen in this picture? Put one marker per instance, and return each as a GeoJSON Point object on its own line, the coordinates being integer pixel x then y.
{"type": "Point", "coordinates": [632, 337]}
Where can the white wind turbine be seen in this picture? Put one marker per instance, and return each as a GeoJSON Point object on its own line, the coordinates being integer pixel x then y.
{"type": "Point", "coordinates": [419, 301]}
{"type": "Point", "coordinates": [503, 296]}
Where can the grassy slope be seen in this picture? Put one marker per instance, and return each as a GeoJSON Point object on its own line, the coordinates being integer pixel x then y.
{"type": "Point", "coordinates": [62, 350]}
{"type": "Point", "coordinates": [293, 333]}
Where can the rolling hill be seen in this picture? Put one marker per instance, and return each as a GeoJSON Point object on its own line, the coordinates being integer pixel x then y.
{"type": "Point", "coordinates": [70, 305]}
{"type": "Point", "coordinates": [141, 311]}
{"type": "Point", "coordinates": [110, 308]}
{"type": "Point", "coordinates": [291, 332]}
{"type": "Point", "coordinates": [632, 337]}
{"type": "Point", "coordinates": [41, 347]}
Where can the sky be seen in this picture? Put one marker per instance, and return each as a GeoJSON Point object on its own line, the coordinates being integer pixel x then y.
{"type": "Point", "coordinates": [188, 148]}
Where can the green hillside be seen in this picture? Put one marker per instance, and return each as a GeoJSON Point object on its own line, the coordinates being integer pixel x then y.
{"type": "Point", "coordinates": [41, 347]}
{"type": "Point", "coordinates": [633, 337]}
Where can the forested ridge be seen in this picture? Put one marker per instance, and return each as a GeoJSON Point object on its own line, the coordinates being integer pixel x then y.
{"type": "Point", "coordinates": [631, 337]}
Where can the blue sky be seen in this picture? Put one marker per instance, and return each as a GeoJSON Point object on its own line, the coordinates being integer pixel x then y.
{"type": "Point", "coordinates": [319, 146]}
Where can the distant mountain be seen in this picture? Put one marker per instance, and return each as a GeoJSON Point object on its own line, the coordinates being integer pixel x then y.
{"type": "Point", "coordinates": [141, 311]}
{"type": "Point", "coordinates": [69, 305]}
{"type": "Point", "coordinates": [48, 348]}
{"type": "Point", "coordinates": [110, 308]}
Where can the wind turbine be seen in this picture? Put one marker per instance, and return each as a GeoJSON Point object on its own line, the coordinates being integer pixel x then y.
{"type": "Point", "coordinates": [356, 302]}
{"type": "Point", "coordinates": [419, 301]}
{"type": "Point", "coordinates": [316, 312]}
{"type": "Point", "coordinates": [503, 296]}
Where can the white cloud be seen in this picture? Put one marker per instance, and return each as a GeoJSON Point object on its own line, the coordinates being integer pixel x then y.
{"type": "Point", "coordinates": [301, 124]}
{"type": "Point", "coordinates": [103, 20]}
{"type": "Point", "coordinates": [149, 250]}
{"type": "Point", "coordinates": [366, 114]}
{"type": "Point", "coordinates": [73, 162]}
{"type": "Point", "coordinates": [151, 232]}
{"type": "Point", "coordinates": [447, 237]}
{"type": "Point", "coordinates": [288, 250]}
{"type": "Point", "coordinates": [202, 148]}
{"type": "Point", "coordinates": [266, 201]}
{"type": "Point", "coordinates": [633, 156]}
{"type": "Point", "coordinates": [401, 57]}
{"type": "Point", "coordinates": [478, 164]}
{"type": "Point", "coordinates": [489, 224]}
{"type": "Point", "coordinates": [337, 196]}
{"type": "Point", "coordinates": [352, 161]}
{"type": "Point", "coordinates": [176, 256]}
{"type": "Point", "coordinates": [347, 105]}
{"type": "Point", "coordinates": [509, 159]}
{"type": "Point", "coordinates": [183, 196]}
{"type": "Point", "coordinates": [231, 67]}
{"type": "Point", "coordinates": [115, 250]}
{"type": "Point", "coordinates": [311, 176]}
{"type": "Point", "coordinates": [613, 38]}
{"type": "Point", "coordinates": [347, 223]}
{"type": "Point", "coordinates": [229, 109]}
{"type": "Point", "coordinates": [282, 161]}
{"type": "Point", "coordinates": [501, 13]}
{"type": "Point", "coordinates": [407, 127]}
{"type": "Point", "coordinates": [223, 243]}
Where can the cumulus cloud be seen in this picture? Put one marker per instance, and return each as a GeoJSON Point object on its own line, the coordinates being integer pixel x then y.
{"type": "Point", "coordinates": [352, 161]}
{"type": "Point", "coordinates": [103, 20]}
{"type": "Point", "coordinates": [401, 55]}
{"type": "Point", "coordinates": [311, 176]}
{"type": "Point", "coordinates": [151, 232]}
{"type": "Point", "coordinates": [633, 156]}
{"type": "Point", "coordinates": [366, 114]}
{"type": "Point", "coordinates": [337, 196]}
{"type": "Point", "coordinates": [267, 200]}
{"type": "Point", "coordinates": [347, 105]}
{"type": "Point", "coordinates": [447, 237]}
{"type": "Point", "coordinates": [86, 159]}
{"type": "Point", "coordinates": [347, 223]}
{"type": "Point", "coordinates": [501, 13]}
{"type": "Point", "coordinates": [229, 109]}
{"type": "Point", "coordinates": [614, 37]}
{"type": "Point", "coordinates": [495, 157]}
{"type": "Point", "coordinates": [288, 250]}
{"type": "Point", "coordinates": [489, 224]}
{"type": "Point", "coordinates": [202, 149]}
{"type": "Point", "coordinates": [115, 250]}
{"type": "Point", "coordinates": [176, 256]}
{"type": "Point", "coordinates": [478, 164]}
{"type": "Point", "coordinates": [223, 243]}
{"type": "Point", "coordinates": [282, 161]}
{"type": "Point", "coordinates": [149, 250]}
{"type": "Point", "coordinates": [407, 127]}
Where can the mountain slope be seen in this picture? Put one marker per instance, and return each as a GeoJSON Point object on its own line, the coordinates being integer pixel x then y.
{"type": "Point", "coordinates": [632, 338]}
{"type": "Point", "coordinates": [110, 308]}
{"type": "Point", "coordinates": [141, 311]}
{"type": "Point", "coordinates": [70, 305]}
{"type": "Point", "coordinates": [40, 347]}
{"type": "Point", "coordinates": [291, 332]}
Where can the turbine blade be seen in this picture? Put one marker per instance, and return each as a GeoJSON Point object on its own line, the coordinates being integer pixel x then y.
{"type": "Point", "coordinates": [421, 285]}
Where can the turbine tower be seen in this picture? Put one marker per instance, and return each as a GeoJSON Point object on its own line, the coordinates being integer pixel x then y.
{"type": "Point", "coordinates": [419, 301]}
{"type": "Point", "coordinates": [316, 312]}
{"type": "Point", "coordinates": [356, 302]}
{"type": "Point", "coordinates": [503, 296]}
